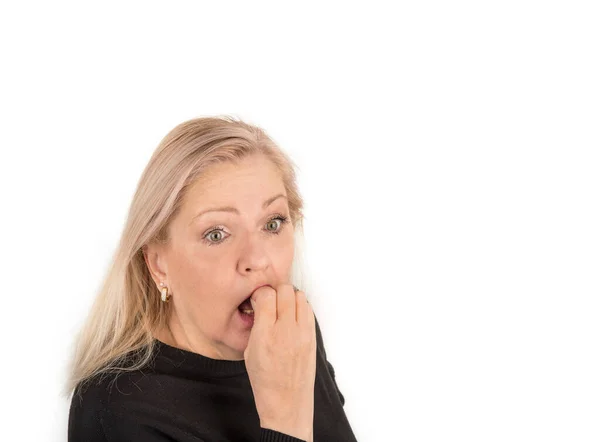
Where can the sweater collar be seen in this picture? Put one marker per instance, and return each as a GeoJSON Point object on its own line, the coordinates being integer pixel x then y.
{"type": "Point", "coordinates": [186, 363]}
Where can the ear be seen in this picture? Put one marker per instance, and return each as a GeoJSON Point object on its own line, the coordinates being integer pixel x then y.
{"type": "Point", "coordinates": [154, 255]}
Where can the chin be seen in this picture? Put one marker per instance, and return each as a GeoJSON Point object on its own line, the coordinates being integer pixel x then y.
{"type": "Point", "coordinates": [240, 341]}
{"type": "Point", "coordinates": [239, 349]}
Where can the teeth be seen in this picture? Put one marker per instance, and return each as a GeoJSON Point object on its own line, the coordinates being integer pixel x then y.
{"type": "Point", "coordinates": [248, 312]}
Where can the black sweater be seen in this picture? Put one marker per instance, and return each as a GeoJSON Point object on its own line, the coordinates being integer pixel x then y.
{"type": "Point", "coordinates": [183, 396]}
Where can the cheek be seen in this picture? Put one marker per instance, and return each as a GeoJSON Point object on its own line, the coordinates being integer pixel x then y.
{"type": "Point", "coordinates": [195, 276]}
{"type": "Point", "coordinates": [282, 256]}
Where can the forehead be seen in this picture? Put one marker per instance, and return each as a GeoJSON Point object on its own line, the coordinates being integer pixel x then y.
{"type": "Point", "coordinates": [250, 179]}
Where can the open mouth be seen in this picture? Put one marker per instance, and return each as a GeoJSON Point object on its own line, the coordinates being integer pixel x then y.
{"type": "Point", "coordinates": [246, 307]}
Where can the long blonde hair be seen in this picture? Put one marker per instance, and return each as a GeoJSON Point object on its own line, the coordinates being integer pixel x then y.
{"type": "Point", "coordinates": [127, 309]}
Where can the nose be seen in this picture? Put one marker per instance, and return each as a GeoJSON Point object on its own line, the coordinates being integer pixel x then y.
{"type": "Point", "coordinates": [254, 256]}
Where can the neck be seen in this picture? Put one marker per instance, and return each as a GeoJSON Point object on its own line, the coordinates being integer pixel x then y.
{"type": "Point", "coordinates": [191, 338]}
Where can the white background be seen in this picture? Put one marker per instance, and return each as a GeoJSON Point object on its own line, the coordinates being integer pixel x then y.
{"type": "Point", "coordinates": [448, 156]}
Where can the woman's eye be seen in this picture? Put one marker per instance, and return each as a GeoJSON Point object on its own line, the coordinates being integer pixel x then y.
{"type": "Point", "coordinates": [213, 237]}
{"type": "Point", "coordinates": [272, 223]}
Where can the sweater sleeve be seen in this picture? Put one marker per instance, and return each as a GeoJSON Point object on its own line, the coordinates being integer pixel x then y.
{"type": "Point", "coordinates": [321, 348]}
{"type": "Point", "coordinates": [268, 435]}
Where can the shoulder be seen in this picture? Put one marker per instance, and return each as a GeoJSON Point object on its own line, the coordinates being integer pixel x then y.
{"type": "Point", "coordinates": [85, 412]}
{"type": "Point", "coordinates": [94, 393]}
{"type": "Point", "coordinates": [107, 389]}
{"type": "Point", "coordinates": [97, 400]}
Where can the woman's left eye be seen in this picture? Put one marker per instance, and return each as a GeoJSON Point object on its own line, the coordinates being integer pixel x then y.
{"type": "Point", "coordinates": [219, 229]}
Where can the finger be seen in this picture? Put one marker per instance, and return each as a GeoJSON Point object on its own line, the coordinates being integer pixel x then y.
{"type": "Point", "coordinates": [286, 303]}
{"type": "Point", "coordinates": [297, 289]}
{"type": "Point", "coordinates": [264, 304]}
{"type": "Point", "coordinates": [312, 327]}
{"type": "Point", "coordinates": [306, 315]}
{"type": "Point", "coordinates": [302, 308]}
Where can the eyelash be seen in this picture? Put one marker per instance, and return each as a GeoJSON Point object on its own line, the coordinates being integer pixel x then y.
{"type": "Point", "coordinates": [282, 218]}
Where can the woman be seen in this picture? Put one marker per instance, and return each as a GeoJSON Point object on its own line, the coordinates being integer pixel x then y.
{"type": "Point", "coordinates": [197, 333]}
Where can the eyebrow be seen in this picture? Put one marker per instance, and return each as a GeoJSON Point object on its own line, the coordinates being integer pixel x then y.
{"type": "Point", "coordinates": [266, 204]}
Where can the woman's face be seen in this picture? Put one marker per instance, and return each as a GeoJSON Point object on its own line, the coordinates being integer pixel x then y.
{"type": "Point", "coordinates": [215, 260]}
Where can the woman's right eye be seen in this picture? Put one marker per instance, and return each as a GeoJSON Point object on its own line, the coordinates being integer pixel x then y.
{"type": "Point", "coordinates": [214, 240]}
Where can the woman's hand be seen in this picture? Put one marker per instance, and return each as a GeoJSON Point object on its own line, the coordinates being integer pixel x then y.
{"type": "Point", "coordinates": [281, 359]}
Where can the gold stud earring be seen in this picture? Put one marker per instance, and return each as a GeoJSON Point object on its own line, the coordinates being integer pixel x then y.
{"type": "Point", "coordinates": [165, 296]}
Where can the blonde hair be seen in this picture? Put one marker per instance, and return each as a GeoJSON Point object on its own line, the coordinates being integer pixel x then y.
{"type": "Point", "coordinates": [127, 309]}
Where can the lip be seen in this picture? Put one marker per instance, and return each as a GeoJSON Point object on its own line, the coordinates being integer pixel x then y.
{"type": "Point", "coordinates": [247, 320]}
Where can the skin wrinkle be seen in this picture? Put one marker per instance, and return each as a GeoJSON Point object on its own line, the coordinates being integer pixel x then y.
{"type": "Point", "coordinates": [207, 282]}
